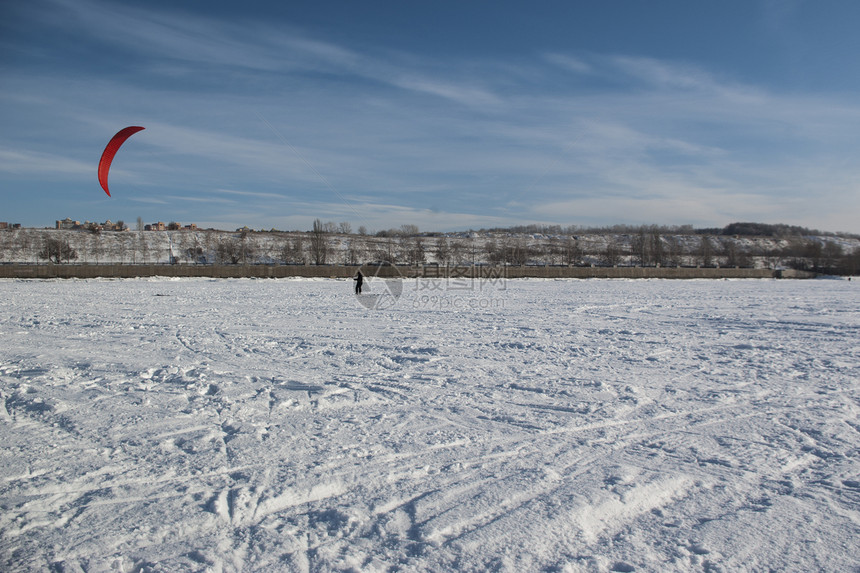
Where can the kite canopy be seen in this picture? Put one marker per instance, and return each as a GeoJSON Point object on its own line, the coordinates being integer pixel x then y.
{"type": "Point", "coordinates": [111, 149]}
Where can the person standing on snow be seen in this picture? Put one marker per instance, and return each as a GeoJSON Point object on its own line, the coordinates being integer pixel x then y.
{"type": "Point", "coordinates": [359, 280]}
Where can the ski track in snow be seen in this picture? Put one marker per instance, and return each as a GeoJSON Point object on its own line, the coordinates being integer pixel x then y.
{"type": "Point", "coordinates": [278, 425]}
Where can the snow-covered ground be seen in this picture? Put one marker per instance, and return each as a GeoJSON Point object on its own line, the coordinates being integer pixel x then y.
{"type": "Point", "coordinates": [281, 425]}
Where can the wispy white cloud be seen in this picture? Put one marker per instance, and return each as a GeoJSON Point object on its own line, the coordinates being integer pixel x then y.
{"type": "Point", "coordinates": [569, 63]}
{"type": "Point", "coordinates": [169, 35]}
{"type": "Point", "coordinates": [25, 161]}
{"type": "Point", "coordinates": [252, 194]}
{"type": "Point", "coordinates": [147, 200]}
{"type": "Point", "coordinates": [164, 33]}
{"type": "Point", "coordinates": [464, 94]}
{"type": "Point", "coordinates": [666, 75]}
{"type": "Point", "coordinates": [392, 136]}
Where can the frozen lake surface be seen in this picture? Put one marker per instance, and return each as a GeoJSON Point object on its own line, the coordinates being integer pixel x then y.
{"type": "Point", "coordinates": [280, 425]}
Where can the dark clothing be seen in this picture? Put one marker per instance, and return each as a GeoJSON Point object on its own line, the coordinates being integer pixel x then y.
{"type": "Point", "coordinates": [359, 279]}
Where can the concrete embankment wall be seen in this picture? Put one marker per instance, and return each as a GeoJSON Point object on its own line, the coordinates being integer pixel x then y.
{"type": "Point", "coordinates": [51, 271]}
{"type": "Point", "coordinates": [86, 271]}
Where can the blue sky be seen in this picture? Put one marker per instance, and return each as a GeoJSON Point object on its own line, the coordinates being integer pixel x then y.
{"type": "Point", "coordinates": [445, 115]}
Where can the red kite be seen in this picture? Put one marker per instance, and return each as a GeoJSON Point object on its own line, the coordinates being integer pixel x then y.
{"type": "Point", "coordinates": [111, 149]}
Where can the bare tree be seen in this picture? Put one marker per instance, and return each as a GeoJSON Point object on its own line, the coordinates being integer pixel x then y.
{"type": "Point", "coordinates": [574, 251]}
{"type": "Point", "coordinates": [182, 247]}
{"type": "Point", "coordinates": [345, 228]}
{"type": "Point", "coordinates": [355, 251]}
{"type": "Point", "coordinates": [190, 248]}
{"type": "Point", "coordinates": [474, 250]}
{"type": "Point", "coordinates": [705, 252]}
{"type": "Point", "coordinates": [293, 251]}
{"type": "Point", "coordinates": [831, 255]}
{"type": "Point", "coordinates": [193, 254]}
{"type": "Point", "coordinates": [612, 254]}
{"type": "Point", "coordinates": [24, 242]}
{"type": "Point", "coordinates": [412, 250]}
{"type": "Point", "coordinates": [518, 252]}
{"type": "Point", "coordinates": [330, 227]}
{"type": "Point", "coordinates": [639, 245]}
{"type": "Point", "coordinates": [208, 246]}
{"type": "Point", "coordinates": [458, 253]}
{"type": "Point", "coordinates": [772, 256]}
{"type": "Point", "coordinates": [248, 247]}
{"type": "Point", "coordinates": [228, 250]}
{"type": "Point", "coordinates": [377, 250]}
{"type": "Point", "coordinates": [495, 255]}
{"type": "Point", "coordinates": [320, 246]}
{"type": "Point", "coordinates": [94, 245]}
{"type": "Point", "coordinates": [673, 251]}
{"type": "Point", "coordinates": [648, 248]}
{"type": "Point", "coordinates": [391, 249]}
{"type": "Point", "coordinates": [57, 251]}
{"type": "Point", "coordinates": [735, 255]}
{"type": "Point", "coordinates": [116, 251]}
{"type": "Point", "coordinates": [657, 252]}
{"type": "Point", "coordinates": [402, 249]}
{"type": "Point", "coordinates": [442, 250]}
{"type": "Point", "coordinates": [555, 251]}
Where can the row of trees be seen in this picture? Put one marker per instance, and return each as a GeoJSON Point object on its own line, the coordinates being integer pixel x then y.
{"type": "Point", "coordinates": [327, 245]}
{"type": "Point", "coordinates": [645, 249]}
{"type": "Point", "coordinates": [733, 229]}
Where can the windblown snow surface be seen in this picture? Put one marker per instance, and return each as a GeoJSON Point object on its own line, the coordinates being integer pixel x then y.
{"type": "Point", "coordinates": [573, 425]}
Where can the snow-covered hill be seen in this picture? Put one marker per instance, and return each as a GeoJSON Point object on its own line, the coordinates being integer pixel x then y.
{"type": "Point", "coordinates": [25, 246]}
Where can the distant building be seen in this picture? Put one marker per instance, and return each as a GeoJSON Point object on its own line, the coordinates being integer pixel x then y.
{"type": "Point", "coordinates": [191, 227]}
{"type": "Point", "coordinates": [160, 226]}
{"type": "Point", "coordinates": [109, 226]}
{"type": "Point", "coordinates": [68, 224]}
